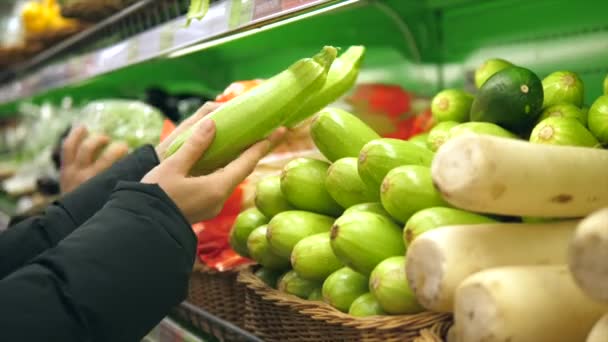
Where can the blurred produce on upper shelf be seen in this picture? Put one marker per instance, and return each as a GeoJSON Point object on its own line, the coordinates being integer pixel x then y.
{"type": "Point", "coordinates": [43, 17]}
{"type": "Point", "coordinates": [92, 10]}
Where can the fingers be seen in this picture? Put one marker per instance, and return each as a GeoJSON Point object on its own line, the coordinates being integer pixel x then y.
{"type": "Point", "coordinates": [205, 109]}
{"type": "Point", "coordinates": [72, 143]}
{"type": "Point", "coordinates": [194, 147]}
{"type": "Point", "coordinates": [90, 148]}
{"type": "Point", "coordinates": [235, 172]}
{"type": "Point", "coordinates": [113, 153]}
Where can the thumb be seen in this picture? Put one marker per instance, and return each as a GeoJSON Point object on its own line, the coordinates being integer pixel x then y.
{"type": "Point", "coordinates": [194, 146]}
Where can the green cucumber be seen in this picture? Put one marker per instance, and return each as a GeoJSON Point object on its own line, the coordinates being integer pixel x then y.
{"type": "Point", "coordinates": [565, 110]}
{"type": "Point", "coordinates": [269, 198]}
{"type": "Point", "coordinates": [286, 229]}
{"type": "Point", "coordinates": [342, 287]}
{"type": "Point", "coordinates": [361, 240]}
{"type": "Point", "coordinates": [512, 98]}
{"type": "Point", "coordinates": [485, 128]}
{"type": "Point", "coordinates": [451, 105]}
{"type": "Point", "coordinates": [346, 187]}
{"type": "Point", "coordinates": [260, 251]}
{"type": "Point", "coordinates": [563, 87]}
{"type": "Point", "coordinates": [341, 77]}
{"type": "Point", "coordinates": [408, 189]}
{"type": "Point", "coordinates": [388, 283]}
{"type": "Point", "coordinates": [303, 184]}
{"type": "Point", "coordinates": [488, 69]}
{"type": "Point", "coordinates": [380, 156]}
{"type": "Point", "coordinates": [293, 284]}
{"type": "Point", "coordinates": [339, 134]}
{"type": "Point", "coordinates": [244, 224]}
{"type": "Point", "coordinates": [420, 140]}
{"type": "Point", "coordinates": [313, 258]}
{"type": "Point", "coordinates": [440, 134]}
{"type": "Point", "coordinates": [435, 217]}
{"type": "Point", "coordinates": [562, 131]}
{"type": "Point", "coordinates": [365, 305]}
{"type": "Point", "coordinates": [263, 109]}
{"type": "Point", "coordinates": [597, 119]}
{"type": "Point", "coordinates": [372, 207]}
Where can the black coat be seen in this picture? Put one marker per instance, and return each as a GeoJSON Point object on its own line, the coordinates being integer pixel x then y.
{"type": "Point", "coordinates": [104, 263]}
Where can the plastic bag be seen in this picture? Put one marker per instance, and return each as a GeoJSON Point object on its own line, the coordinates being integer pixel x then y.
{"type": "Point", "coordinates": [132, 122]}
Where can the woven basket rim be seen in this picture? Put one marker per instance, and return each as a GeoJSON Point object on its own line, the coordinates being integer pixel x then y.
{"type": "Point", "coordinates": [324, 312]}
{"type": "Point", "coordinates": [201, 267]}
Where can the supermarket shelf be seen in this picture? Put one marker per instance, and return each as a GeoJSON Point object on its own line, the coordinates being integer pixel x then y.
{"type": "Point", "coordinates": [226, 20]}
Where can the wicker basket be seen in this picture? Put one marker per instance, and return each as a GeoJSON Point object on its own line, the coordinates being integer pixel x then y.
{"type": "Point", "coordinates": [276, 316]}
{"type": "Point", "coordinates": [217, 293]}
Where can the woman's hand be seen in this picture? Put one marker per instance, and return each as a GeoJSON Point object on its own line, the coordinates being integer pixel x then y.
{"type": "Point", "coordinates": [205, 109]}
{"type": "Point", "coordinates": [203, 197]}
{"type": "Point", "coordinates": [82, 157]}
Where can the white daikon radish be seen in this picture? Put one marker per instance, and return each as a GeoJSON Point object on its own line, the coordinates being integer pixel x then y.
{"type": "Point", "coordinates": [588, 257]}
{"type": "Point", "coordinates": [524, 304]}
{"type": "Point", "coordinates": [599, 332]}
{"type": "Point", "coordinates": [511, 177]}
{"type": "Point", "coordinates": [439, 260]}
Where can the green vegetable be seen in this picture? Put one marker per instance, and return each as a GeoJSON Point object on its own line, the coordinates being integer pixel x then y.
{"type": "Point", "coordinates": [339, 134]}
{"type": "Point", "coordinates": [365, 305]}
{"type": "Point", "coordinates": [313, 258]}
{"type": "Point", "coordinates": [380, 156]}
{"type": "Point", "coordinates": [291, 283]}
{"type": "Point", "coordinates": [440, 134]}
{"type": "Point", "coordinates": [606, 85]}
{"type": "Point", "coordinates": [408, 189]}
{"type": "Point", "coordinates": [373, 207]}
{"type": "Point", "coordinates": [268, 197]}
{"type": "Point", "coordinates": [303, 184]}
{"type": "Point", "coordinates": [512, 98]}
{"type": "Point", "coordinates": [361, 240]}
{"type": "Point", "coordinates": [244, 224]}
{"type": "Point", "coordinates": [259, 250]}
{"type": "Point", "coordinates": [451, 105]}
{"type": "Point", "coordinates": [197, 10]}
{"type": "Point", "coordinates": [435, 217]}
{"type": "Point", "coordinates": [488, 69]}
{"type": "Point", "coordinates": [346, 187]}
{"type": "Point", "coordinates": [286, 229]}
{"type": "Point", "coordinates": [341, 77]}
{"type": "Point", "coordinates": [252, 116]}
{"type": "Point", "coordinates": [342, 287]}
{"type": "Point", "coordinates": [565, 110]}
{"type": "Point", "coordinates": [563, 87]}
{"type": "Point", "coordinates": [388, 284]}
{"type": "Point", "coordinates": [597, 119]}
{"type": "Point", "coordinates": [268, 276]}
{"type": "Point", "coordinates": [316, 295]}
{"type": "Point", "coordinates": [420, 140]}
{"type": "Point", "coordinates": [485, 128]}
{"type": "Point", "coordinates": [562, 131]}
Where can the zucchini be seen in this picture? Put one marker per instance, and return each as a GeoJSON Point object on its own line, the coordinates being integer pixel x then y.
{"type": "Point", "coordinates": [260, 251]}
{"type": "Point", "coordinates": [380, 156]}
{"type": "Point", "coordinates": [597, 119]}
{"type": "Point", "coordinates": [339, 134]}
{"type": "Point", "coordinates": [439, 260]}
{"type": "Point", "coordinates": [245, 223]}
{"type": "Point", "coordinates": [341, 77]}
{"type": "Point", "coordinates": [563, 87]}
{"type": "Point", "coordinates": [565, 110]}
{"type": "Point", "coordinates": [512, 98]}
{"type": "Point", "coordinates": [252, 116]}
{"type": "Point", "coordinates": [420, 140]}
{"type": "Point", "coordinates": [451, 105]}
{"type": "Point", "coordinates": [496, 175]}
{"type": "Point", "coordinates": [293, 284]}
{"type": "Point", "coordinates": [440, 134]}
{"type": "Point", "coordinates": [488, 69]}
{"type": "Point", "coordinates": [486, 128]}
{"type": "Point", "coordinates": [269, 198]}
{"type": "Point", "coordinates": [346, 187]}
{"type": "Point", "coordinates": [562, 131]}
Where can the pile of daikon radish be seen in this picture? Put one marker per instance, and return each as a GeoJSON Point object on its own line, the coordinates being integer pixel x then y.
{"type": "Point", "coordinates": [518, 282]}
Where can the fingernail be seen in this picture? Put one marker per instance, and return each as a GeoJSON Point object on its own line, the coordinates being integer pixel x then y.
{"type": "Point", "coordinates": [206, 126]}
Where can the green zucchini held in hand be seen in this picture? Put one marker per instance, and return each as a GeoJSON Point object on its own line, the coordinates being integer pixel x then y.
{"type": "Point", "coordinates": [341, 77]}
{"type": "Point", "coordinates": [251, 117]}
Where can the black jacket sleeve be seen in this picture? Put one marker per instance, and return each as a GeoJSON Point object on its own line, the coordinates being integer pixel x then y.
{"type": "Point", "coordinates": [112, 279]}
{"type": "Point", "coordinates": [25, 240]}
